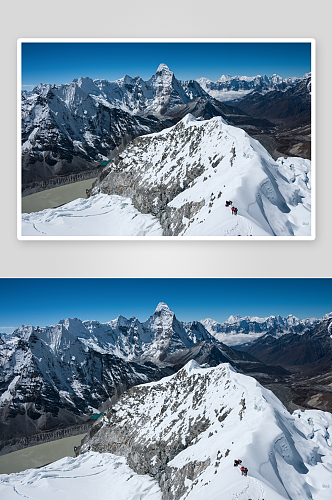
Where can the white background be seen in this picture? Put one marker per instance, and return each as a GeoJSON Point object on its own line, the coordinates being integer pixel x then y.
{"type": "Point", "coordinates": [177, 19]}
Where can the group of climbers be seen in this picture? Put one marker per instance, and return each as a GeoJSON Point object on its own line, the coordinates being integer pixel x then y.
{"type": "Point", "coordinates": [244, 470]}
{"type": "Point", "coordinates": [234, 209]}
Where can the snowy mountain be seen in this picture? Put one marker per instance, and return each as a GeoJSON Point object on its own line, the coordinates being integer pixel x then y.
{"type": "Point", "coordinates": [229, 88]}
{"type": "Point", "coordinates": [134, 95]}
{"type": "Point", "coordinates": [50, 379]}
{"type": "Point", "coordinates": [59, 375]}
{"type": "Point", "coordinates": [311, 348]}
{"type": "Point", "coordinates": [73, 127]}
{"type": "Point", "coordinates": [186, 430]}
{"type": "Point", "coordinates": [182, 177]}
{"type": "Point", "coordinates": [67, 130]}
{"type": "Point", "coordinates": [238, 330]}
{"type": "Point", "coordinates": [291, 107]}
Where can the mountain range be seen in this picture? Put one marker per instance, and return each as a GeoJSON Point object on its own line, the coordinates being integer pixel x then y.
{"type": "Point", "coordinates": [57, 376]}
{"type": "Point", "coordinates": [230, 88]}
{"type": "Point", "coordinates": [237, 330]}
{"type": "Point", "coordinates": [73, 127]}
{"type": "Point", "coordinates": [291, 107]}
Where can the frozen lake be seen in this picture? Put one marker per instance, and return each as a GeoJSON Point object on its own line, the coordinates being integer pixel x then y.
{"type": "Point", "coordinates": [39, 455]}
{"type": "Point", "coordinates": [51, 198]}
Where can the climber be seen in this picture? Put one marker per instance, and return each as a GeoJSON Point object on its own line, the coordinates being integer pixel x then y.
{"type": "Point", "coordinates": [237, 462]}
{"type": "Point", "coordinates": [235, 211]}
{"type": "Point", "coordinates": [227, 203]}
{"type": "Point", "coordinates": [244, 471]}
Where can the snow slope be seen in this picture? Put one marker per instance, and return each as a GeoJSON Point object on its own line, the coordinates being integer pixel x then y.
{"type": "Point", "coordinates": [186, 431]}
{"type": "Point", "coordinates": [87, 477]}
{"type": "Point", "coordinates": [185, 174]}
{"type": "Point", "coordinates": [182, 176]}
{"type": "Point", "coordinates": [101, 215]}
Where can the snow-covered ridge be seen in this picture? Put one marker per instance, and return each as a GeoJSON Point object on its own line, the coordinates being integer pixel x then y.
{"type": "Point", "coordinates": [186, 431]}
{"type": "Point", "coordinates": [93, 475]}
{"type": "Point", "coordinates": [184, 174]}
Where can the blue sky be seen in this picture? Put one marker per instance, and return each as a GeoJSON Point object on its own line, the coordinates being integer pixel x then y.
{"type": "Point", "coordinates": [46, 301]}
{"type": "Point", "coordinates": [60, 63]}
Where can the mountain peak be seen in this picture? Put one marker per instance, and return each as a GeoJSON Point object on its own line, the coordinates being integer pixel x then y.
{"type": "Point", "coordinates": [163, 68]}
{"type": "Point", "coordinates": [233, 319]}
{"type": "Point", "coordinates": [162, 307]}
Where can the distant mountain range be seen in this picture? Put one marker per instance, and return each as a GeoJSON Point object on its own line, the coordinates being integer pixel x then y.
{"type": "Point", "coordinates": [237, 330]}
{"type": "Point", "coordinates": [72, 128]}
{"type": "Point", "coordinates": [229, 88]}
{"type": "Point", "coordinates": [291, 107]}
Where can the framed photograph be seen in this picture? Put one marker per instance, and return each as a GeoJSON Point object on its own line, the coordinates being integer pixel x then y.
{"type": "Point", "coordinates": [227, 378]}
{"type": "Point", "coordinates": [166, 139]}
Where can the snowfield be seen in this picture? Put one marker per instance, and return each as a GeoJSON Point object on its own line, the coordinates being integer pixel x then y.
{"type": "Point", "coordinates": [195, 166]}
{"type": "Point", "coordinates": [206, 418]}
{"type": "Point", "coordinates": [88, 477]}
{"type": "Point", "coordinates": [101, 215]}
